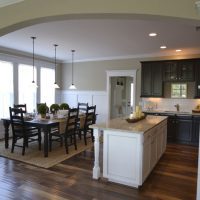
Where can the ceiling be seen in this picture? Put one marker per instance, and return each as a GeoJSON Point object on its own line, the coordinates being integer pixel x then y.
{"type": "Point", "coordinates": [104, 39]}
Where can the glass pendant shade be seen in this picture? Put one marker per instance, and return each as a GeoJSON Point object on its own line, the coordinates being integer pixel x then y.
{"type": "Point", "coordinates": [72, 86]}
{"type": "Point", "coordinates": [56, 86]}
{"type": "Point", "coordinates": [33, 81]}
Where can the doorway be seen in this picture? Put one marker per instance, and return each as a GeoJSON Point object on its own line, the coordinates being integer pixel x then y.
{"type": "Point", "coordinates": [121, 90]}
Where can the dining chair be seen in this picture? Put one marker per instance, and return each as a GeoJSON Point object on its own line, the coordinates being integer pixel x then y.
{"type": "Point", "coordinates": [82, 109]}
{"type": "Point", "coordinates": [24, 110]}
{"type": "Point", "coordinates": [21, 131]}
{"type": "Point", "coordinates": [90, 119]}
{"type": "Point", "coordinates": [22, 106]}
{"type": "Point", "coordinates": [69, 132]}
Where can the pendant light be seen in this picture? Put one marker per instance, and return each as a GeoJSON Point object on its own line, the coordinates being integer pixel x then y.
{"type": "Point", "coordinates": [72, 86]}
{"type": "Point", "coordinates": [33, 81]}
{"type": "Point", "coordinates": [55, 83]}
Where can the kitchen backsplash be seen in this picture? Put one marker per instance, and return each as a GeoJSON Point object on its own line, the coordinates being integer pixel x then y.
{"type": "Point", "coordinates": [164, 104]}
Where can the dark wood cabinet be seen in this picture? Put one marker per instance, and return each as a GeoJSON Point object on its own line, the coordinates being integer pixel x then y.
{"type": "Point", "coordinates": [170, 71]}
{"type": "Point", "coordinates": [151, 82]}
{"type": "Point", "coordinates": [146, 80]}
{"type": "Point", "coordinates": [195, 130]}
{"type": "Point", "coordinates": [179, 70]}
{"type": "Point", "coordinates": [171, 129]}
{"type": "Point", "coordinates": [197, 79]}
{"type": "Point", "coordinates": [186, 70]}
{"type": "Point", "coordinates": [184, 129]}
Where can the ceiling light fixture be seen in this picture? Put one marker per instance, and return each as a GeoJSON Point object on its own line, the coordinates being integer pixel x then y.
{"type": "Point", "coordinates": [55, 83]}
{"type": "Point", "coordinates": [178, 50]}
{"type": "Point", "coordinates": [72, 86]}
{"type": "Point", "coordinates": [163, 47]}
{"type": "Point", "coordinates": [33, 81]}
{"type": "Point", "coordinates": [152, 34]}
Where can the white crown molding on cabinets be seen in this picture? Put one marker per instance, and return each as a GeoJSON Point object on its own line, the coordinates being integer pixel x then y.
{"type": "Point", "coordinates": [4, 3]}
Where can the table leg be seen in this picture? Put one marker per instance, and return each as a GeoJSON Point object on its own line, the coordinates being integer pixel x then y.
{"type": "Point", "coordinates": [6, 127]}
{"type": "Point", "coordinates": [46, 141]}
{"type": "Point", "coordinates": [96, 168]}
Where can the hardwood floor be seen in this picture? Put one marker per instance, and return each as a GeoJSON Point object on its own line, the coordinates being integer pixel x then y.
{"type": "Point", "coordinates": [173, 178]}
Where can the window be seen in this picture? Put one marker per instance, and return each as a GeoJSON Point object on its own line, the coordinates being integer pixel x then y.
{"type": "Point", "coordinates": [6, 88]}
{"type": "Point", "coordinates": [27, 93]}
{"type": "Point", "coordinates": [47, 91]}
{"type": "Point", "coordinates": [178, 90]}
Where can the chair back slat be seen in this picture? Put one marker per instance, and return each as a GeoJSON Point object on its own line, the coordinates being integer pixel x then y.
{"type": "Point", "coordinates": [82, 108]}
{"type": "Point", "coordinates": [90, 116]}
{"type": "Point", "coordinates": [72, 119]}
{"type": "Point", "coordinates": [17, 120]}
{"type": "Point", "coordinates": [22, 106]}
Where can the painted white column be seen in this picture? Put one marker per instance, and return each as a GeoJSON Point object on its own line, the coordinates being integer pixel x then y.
{"type": "Point", "coordinates": [96, 168]}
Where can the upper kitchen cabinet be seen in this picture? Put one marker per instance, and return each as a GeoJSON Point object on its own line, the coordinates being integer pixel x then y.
{"type": "Point", "coordinates": [178, 70]}
{"type": "Point", "coordinates": [170, 70]}
{"type": "Point", "coordinates": [152, 82]}
{"type": "Point", "coordinates": [197, 78]}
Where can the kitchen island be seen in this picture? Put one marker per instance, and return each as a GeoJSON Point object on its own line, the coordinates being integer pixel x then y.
{"type": "Point", "coordinates": [130, 150]}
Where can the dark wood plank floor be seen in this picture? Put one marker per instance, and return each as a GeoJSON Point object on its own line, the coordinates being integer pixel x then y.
{"type": "Point", "coordinates": [174, 177]}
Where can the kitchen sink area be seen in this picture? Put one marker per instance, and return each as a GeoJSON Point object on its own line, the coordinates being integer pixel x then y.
{"type": "Point", "coordinates": [170, 112]}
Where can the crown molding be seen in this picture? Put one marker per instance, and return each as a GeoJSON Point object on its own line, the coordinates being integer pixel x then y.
{"type": "Point", "coordinates": [4, 3]}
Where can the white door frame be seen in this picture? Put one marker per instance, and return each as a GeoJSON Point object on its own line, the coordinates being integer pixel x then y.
{"type": "Point", "coordinates": [123, 73]}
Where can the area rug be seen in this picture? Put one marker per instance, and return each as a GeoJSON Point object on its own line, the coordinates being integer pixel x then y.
{"type": "Point", "coordinates": [35, 157]}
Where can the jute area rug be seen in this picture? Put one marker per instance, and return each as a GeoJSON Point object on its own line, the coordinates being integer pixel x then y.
{"type": "Point", "coordinates": [35, 157]}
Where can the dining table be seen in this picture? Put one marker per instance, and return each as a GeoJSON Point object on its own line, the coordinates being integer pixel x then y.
{"type": "Point", "coordinates": [44, 124]}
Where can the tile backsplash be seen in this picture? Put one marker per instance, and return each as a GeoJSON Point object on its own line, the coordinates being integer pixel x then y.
{"type": "Point", "coordinates": [186, 105]}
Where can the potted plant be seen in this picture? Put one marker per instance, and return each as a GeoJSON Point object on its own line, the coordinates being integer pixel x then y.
{"type": "Point", "coordinates": [42, 109]}
{"type": "Point", "coordinates": [54, 108]}
{"type": "Point", "coordinates": [64, 106]}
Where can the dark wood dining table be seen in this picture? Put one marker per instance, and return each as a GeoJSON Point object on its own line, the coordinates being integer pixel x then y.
{"type": "Point", "coordinates": [45, 125]}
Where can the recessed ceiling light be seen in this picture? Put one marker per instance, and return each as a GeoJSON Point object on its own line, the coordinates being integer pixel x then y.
{"type": "Point", "coordinates": [163, 47]}
{"type": "Point", "coordinates": [178, 50]}
{"type": "Point", "coordinates": [152, 34]}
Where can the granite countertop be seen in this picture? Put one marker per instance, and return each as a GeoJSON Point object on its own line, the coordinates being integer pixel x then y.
{"type": "Point", "coordinates": [171, 112]}
{"type": "Point", "coordinates": [121, 124]}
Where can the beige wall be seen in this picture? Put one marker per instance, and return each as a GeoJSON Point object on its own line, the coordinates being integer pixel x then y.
{"type": "Point", "coordinates": [30, 12]}
{"type": "Point", "coordinates": [92, 75]}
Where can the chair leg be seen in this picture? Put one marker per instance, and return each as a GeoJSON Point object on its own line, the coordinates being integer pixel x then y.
{"type": "Point", "coordinates": [61, 141]}
{"type": "Point", "coordinates": [75, 141]}
{"type": "Point", "coordinates": [39, 140]}
{"type": "Point", "coordinates": [24, 145]}
{"type": "Point", "coordinates": [50, 142]}
{"type": "Point", "coordinates": [85, 139]}
{"type": "Point", "coordinates": [13, 145]}
{"type": "Point", "coordinates": [79, 134]}
{"type": "Point", "coordinates": [66, 145]}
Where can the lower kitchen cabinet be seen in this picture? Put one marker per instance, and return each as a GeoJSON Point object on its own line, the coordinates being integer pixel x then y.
{"type": "Point", "coordinates": [182, 129]}
{"type": "Point", "coordinates": [171, 129]}
{"type": "Point", "coordinates": [195, 130]}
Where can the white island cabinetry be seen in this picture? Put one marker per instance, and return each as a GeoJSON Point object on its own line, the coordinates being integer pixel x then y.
{"type": "Point", "coordinates": [130, 150]}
